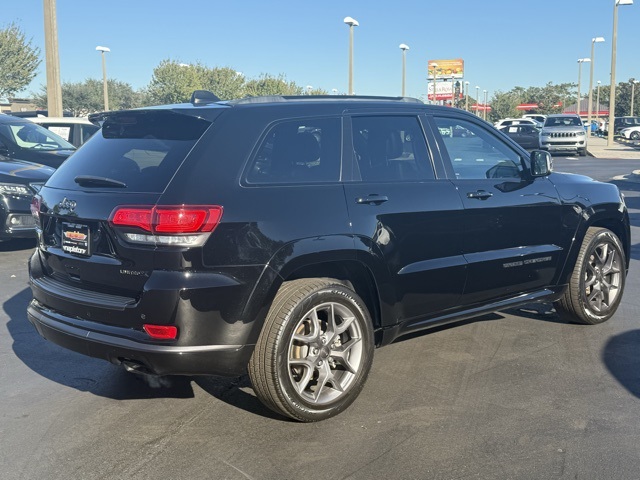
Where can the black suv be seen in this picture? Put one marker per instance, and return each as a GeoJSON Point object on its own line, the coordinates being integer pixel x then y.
{"type": "Point", "coordinates": [289, 236]}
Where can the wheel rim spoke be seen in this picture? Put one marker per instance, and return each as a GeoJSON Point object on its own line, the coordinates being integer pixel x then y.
{"type": "Point", "coordinates": [302, 384]}
{"type": "Point", "coordinates": [341, 354]}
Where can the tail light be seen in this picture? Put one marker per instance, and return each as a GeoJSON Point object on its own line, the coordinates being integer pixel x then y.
{"type": "Point", "coordinates": [184, 225]}
{"type": "Point", "coordinates": [161, 332]}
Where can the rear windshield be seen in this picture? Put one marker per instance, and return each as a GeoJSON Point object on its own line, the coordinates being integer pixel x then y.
{"type": "Point", "coordinates": [140, 151]}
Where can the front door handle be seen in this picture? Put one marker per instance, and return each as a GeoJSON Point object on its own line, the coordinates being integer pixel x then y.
{"type": "Point", "coordinates": [373, 199]}
{"type": "Point", "coordinates": [480, 194]}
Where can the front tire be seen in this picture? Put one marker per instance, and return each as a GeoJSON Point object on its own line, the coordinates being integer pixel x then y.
{"type": "Point", "coordinates": [315, 350]}
{"type": "Point", "coordinates": [597, 283]}
{"type": "Point", "coordinates": [582, 152]}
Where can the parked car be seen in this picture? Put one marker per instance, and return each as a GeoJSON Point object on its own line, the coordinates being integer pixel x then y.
{"type": "Point", "coordinates": [515, 121]}
{"type": "Point", "coordinates": [21, 139]}
{"type": "Point", "coordinates": [75, 130]}
{"type": "Point", "coordinates": [538, 117]}
{"type": "Point", "coordinates": [564, 133]}
{"type": "Point", "coordinates": [622, 122]}
{"type": "Point", "coordinates": [527, 136]}
{"type": "Point", "coordinates": [631, 133]}
{"type": "Point", "coordinates": [19, 182]}
{"type": "Point", "coordinates": [287, 237]}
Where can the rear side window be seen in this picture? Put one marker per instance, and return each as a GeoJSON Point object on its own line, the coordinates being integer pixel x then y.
{"type": "Point", "coordinates": [299, 151]}
{"type": "Point", "coordinates": [390, 148]}
{"type": "Point", "coordinates": [141, 149]}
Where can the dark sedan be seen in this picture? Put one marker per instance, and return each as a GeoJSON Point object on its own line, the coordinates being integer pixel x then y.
{"type": "Point", "coordinates": [24, 140]}
{"type": "Point", "coordinates": [527, 136]}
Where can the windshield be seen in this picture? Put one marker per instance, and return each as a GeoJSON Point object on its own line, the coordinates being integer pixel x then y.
{"type": "Point", "coordinates": [563, 122]}
{"type": "Point", "coordinates": [34, 137]}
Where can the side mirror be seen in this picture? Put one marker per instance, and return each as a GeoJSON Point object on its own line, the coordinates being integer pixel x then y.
{"type": "Point", "coordinates": [541, 163]}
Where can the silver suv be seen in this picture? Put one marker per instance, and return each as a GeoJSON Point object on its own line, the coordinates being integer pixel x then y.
{"type": "Point", "coordinates": [562, 133]}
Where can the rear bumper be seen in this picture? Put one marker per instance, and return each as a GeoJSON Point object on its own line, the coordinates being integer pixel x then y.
{"type": "Point", "coordinates": [118, 345]}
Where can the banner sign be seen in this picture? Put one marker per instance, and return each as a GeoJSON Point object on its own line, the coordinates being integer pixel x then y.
{"type": "Point", "coordinates": [445, 68]}
{"type": "Point", "coordinates": [443, 91]}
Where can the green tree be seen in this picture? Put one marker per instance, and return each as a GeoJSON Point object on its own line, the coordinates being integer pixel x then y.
{"type": "Point", "coordinates": [18, 60]}
{"type": "Point", "coordinates": [86, 97]}
{"type": "Point", "coordinates": [318, 91]}
{"type": "Point", "coordinates": [269, 85]}
{"type": "Point", "coordinates": [503, 104]}
{"type": "Point", "coordinates": [551, 98]}
{"type": "Point", "coordinates": [174, 82]}
{"type": "Point", "coordinates": [224, 82]}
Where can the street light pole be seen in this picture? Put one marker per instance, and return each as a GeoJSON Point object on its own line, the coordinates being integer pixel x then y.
{"type": "Point", "coordinates": [598, 103]}
{"type": "Point", "coordinates": [103, 50]}
{"type": "Point", "coordinates": [466, 98]}
{"type": "Point", "coordinates": [580, 62]}
{"type": "Point", "coordinates": [633, 85]}
{"type": "Point", "coordinates": [477, 100]}
{"type": "Point", "coordinates": [404, 49]}
{"type": "Point", "coordinates": [54, 90]}
{"type": "Point", "coordinates": [612, 92]}
{"type": "Point", "coordinates": [593, 42]}
{"type": "Point", "coordinates": [484, 110]}
{"type": "Point", "coordinates": [352, 23]}
{"type": "Point", "coordinates": [434, 65]}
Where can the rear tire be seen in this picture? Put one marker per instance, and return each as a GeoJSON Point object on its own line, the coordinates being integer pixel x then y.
{"type": "Point", "coordinates": [315, 350]}
{"type": "Point", "coordinates": [635, 136]}
{"type": "Point", "coordinates": [597, 283]}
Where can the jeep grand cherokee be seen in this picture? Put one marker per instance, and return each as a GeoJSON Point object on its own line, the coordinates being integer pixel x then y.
{"type": "Point", "coordinates": [290, 236]}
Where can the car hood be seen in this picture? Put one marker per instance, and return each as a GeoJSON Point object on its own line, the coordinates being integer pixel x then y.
{"type": "Point", "coordinates": [16, 171]}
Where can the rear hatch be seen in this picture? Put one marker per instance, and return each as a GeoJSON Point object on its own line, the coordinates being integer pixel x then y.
{"type": "Point", "coordinates": [104, 228]}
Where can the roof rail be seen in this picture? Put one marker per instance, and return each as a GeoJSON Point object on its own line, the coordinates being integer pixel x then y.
{"type": "Point", "coordinates": [311, 98]}
{"type": "Point", "coordinates": [203, 97]}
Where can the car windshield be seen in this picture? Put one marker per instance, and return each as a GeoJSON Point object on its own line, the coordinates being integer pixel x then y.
{"type": "Point", "coordinates": [562, 122]}
{"type": "Point", "coordinates": [34, 137]}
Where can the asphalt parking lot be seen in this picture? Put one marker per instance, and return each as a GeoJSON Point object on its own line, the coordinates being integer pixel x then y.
{"type": "Point", "coordinates": [519, 394]}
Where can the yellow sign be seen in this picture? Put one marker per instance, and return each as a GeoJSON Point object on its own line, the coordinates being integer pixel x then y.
{"type": "Point", "coordinates": [445, 68]}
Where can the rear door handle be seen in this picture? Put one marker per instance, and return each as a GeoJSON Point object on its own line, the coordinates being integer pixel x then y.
{"type": "Point", "coordinates": [372, 199]}
{"type": "Point", "coordinates": [480, 195]}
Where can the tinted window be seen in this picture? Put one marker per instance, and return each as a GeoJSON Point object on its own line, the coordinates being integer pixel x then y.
{"type": "Point", "coordinates": [479, 155]}
{"type": "Point", "coordinates": [33, 137]}
{"type": "Point", "coordinates": [88, 131]}
{"type": "Point", "coordinates": [391, 148]}
{"type": "Point", "coordinates": [299, 151]}
{"type": "Point", "coordinates": [141, 149]}
{"type": "Point", "coordinates": [562, 121]}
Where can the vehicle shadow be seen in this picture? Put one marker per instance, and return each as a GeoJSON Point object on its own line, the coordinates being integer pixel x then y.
{"type": "Point", "coordinates": [238, 393]}
{"type": "Point", "coordinates": [535, 311]}
{"type": "Point", "coordinates": [78, 371]}
{"type": "Point", "coordinates": [103, 379]}
{"type": "Point", "coordinates": [18, 244]}
{"type": "Point", "coordinates": [621, 356]}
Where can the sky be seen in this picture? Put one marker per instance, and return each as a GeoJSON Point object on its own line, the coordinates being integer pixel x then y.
{"type": "Point", "coordinates": [504, 43]}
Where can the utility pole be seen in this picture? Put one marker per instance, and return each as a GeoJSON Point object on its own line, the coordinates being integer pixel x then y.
{"type": "Point", "coordinates": [54, 90]}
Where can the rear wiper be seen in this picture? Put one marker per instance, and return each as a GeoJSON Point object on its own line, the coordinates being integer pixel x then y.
{"type": "Point", "coordinates": [93, 181]}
